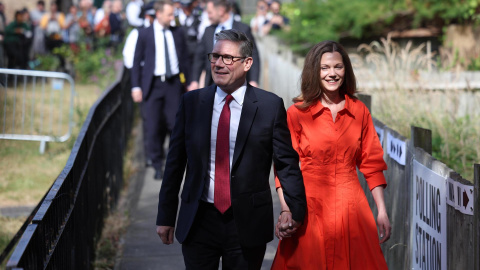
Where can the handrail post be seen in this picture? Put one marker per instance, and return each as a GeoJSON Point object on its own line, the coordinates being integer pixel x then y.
{"type": "Point", "coordinates": [422, 138]}
{"type": "Point", "coordinates": [367, 100]}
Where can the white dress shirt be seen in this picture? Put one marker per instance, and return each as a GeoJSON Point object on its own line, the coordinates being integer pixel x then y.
{"type": "Point", "coordinates": [235, 113]}
{"type": "Point", "coordinates": [132, 11]}
{"type": "Point", "coordinates": [227, 25]}
{"type": "Point", "coordinates": [130, 44]}
{"type": "Point", "coordinates": [129, 48]}
{"type": "Point", "coordinates": [160, 51]}
{"type": "Point", "coordinates": [99, 15]}
{"type": "Point", "coordinates": [205, 22]}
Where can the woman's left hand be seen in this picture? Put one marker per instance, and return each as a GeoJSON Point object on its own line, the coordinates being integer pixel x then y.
{"type": "Point", "coordinates": [384, 226]}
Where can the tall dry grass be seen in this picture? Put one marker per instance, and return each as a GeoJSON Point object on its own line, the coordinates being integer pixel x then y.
{"type": "Point", "coordinates": [400, 98]}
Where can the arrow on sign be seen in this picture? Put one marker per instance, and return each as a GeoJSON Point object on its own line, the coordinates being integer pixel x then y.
{"type": "Point", "coordinates": [465, 199]}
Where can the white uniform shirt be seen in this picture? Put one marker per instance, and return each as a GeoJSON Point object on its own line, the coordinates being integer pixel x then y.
{"type": "Point", "coordinates": [133, 10]}
{"type": "Point", "coordinates": [160, 51]}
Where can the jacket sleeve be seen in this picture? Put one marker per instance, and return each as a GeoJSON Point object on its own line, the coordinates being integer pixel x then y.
{"type": "Point", "coordinates": [254, 73]}
{"type": "Point", "coordinates": [174, 171]}
{"type": "Point", "coordinates": [370, 161]}
{"type": "Point", "coordinates": [295, 130]}
{"type": "Point", "coordinates": [137, 59]}
{"type": "Point", "coordinates": [183, 59]}
{"type": "Point", "coordinates": [286, 164]}
{"type": "Point", "coordinates": [200, 57]}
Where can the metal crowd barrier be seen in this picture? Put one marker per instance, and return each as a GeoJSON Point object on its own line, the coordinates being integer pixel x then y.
{"type": "Point", "coordinates": [64, 232]}
{"type": "Point", "coordinates": [36, 106]}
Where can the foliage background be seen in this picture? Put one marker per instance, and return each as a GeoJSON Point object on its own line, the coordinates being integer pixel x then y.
{"type": "Point", "coordinates": [315, 20]}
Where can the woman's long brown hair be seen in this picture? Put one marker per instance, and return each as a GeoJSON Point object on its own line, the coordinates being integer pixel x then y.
{"type": "Point", "coordinates": [311, 83]}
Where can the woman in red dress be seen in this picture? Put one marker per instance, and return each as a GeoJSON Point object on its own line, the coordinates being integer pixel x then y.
{"type": "Point", "coordinates": [333, 133]}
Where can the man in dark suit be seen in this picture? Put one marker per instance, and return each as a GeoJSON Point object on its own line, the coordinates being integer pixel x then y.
{"type": "Point", "coordinates": [160, 57]}
{"type": "Point", "coordinates": [227, 135]}
{"type": "Point", "coordinates": [221, 18]}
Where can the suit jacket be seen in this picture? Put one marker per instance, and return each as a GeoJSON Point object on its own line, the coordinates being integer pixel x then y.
{"type": "Point", "coordinates": [142, 75]}
{"type": "Point", "coordinates": [205, 46]}
{"type": "Point", "coordinates": [262, 136]}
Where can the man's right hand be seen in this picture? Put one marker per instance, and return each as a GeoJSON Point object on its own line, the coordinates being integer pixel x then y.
{"type": "Point", "coordinates": [192, 86]}
{"type": "Point", "coordinates": [166, 234]}
{"type": "Point", "coordinates": [137, 95]}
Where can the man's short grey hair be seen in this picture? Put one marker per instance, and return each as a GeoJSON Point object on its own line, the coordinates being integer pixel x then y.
{"type": "Point", "coordinates": [246, 45]}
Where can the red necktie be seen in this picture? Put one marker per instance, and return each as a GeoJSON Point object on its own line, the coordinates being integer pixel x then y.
{"type": "Point", "coordinates": [221, 198]}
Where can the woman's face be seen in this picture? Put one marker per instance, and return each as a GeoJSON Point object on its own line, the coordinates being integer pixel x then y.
{"type": "Point", "coordinates": [332, 71]}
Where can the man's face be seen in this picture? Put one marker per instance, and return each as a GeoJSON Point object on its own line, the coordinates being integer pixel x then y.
{"type": "Point", "coordinates": [229, 77]}
{"type": "Point", "coordinates": [165, 16]}
{"type": "Point", "coordinates": [275, 7]}
{"type": "Point", "coordinates": [214, 13]}
{"type": "Point", "coordinates": [73, 10]}
{"type": "Point", "coordinates": [53, 8]}
{"type": "Point", "coordinates": [19, 17]}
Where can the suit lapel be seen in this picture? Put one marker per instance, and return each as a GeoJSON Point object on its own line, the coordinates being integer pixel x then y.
{"type": "Point", "coordinates": [249, 111]}
{"type": "Point", "coordinates": [205, 111]}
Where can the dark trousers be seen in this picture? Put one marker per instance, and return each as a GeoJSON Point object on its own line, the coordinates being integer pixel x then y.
{"type": "Point", "coordinates": [214, 235]}
{"type": "Point", "coordinates": [17, 53]}
{"type": "Point", "coordinates": [158, 113]}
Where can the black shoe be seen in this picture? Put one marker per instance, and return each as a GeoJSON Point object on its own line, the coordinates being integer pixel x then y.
{"type": "Point", "coordinates": [148, 163]}
{"type": "Point", "coordinates": [158, 174]}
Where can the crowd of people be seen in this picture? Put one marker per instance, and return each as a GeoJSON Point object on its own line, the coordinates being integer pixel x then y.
{"type": "Point", "coordinates": [40, 31]}
{"type": "Point", "coordinates": [197, 22]}
{"type": "Point", "coordinates": [268, 18]}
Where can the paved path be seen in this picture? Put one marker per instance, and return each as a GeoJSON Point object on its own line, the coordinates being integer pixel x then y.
{"type": "Point", "coordinates": [17, 211]}
{"type": "Point", "coordinates": [142, 248]}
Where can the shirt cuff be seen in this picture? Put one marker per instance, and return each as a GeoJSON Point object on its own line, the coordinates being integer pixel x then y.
{"type": "Point", "coordinates": [376, 179]}
{"type": "Point", "coordinates": [136, 89]}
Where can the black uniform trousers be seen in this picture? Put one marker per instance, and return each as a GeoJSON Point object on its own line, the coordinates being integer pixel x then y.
{"type": "Point", "coordinates": [158, 113]}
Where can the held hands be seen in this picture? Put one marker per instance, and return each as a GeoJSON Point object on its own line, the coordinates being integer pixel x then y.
{"type": "Point", "coordinates": [286, 226]}
{"type": "Point", "coordinates": [384, 226]}
{"type": "Point", "coordinates": [166, 234]}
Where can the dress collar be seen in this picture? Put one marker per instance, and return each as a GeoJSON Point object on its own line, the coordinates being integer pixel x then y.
{"type": "Point", "coordinates": [318, 108]}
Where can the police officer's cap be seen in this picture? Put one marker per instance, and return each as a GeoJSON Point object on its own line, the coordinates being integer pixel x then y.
{"type": "Point", "coordinates": [149, 8]}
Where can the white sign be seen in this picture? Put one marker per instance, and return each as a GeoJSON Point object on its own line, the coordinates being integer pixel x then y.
{"type": "Point", "coordinates": [396, 149]}
{"type": "Point", "coordinates": [429, 227]}
{"type": "Point", "coordinates": [460, 196]}
{"type": "Point", "coordinates": [380, 133]}
{"type": "Point", "coordinates": [57, 84]}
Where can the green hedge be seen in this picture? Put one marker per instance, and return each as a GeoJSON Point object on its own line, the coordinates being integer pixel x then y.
{"type": "Point", "coordinates": [316, 20]}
